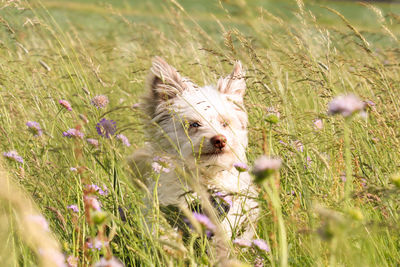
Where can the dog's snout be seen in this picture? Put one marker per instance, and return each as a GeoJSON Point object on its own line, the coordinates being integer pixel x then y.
{"type": "Point", "coordinates": [218, 141]}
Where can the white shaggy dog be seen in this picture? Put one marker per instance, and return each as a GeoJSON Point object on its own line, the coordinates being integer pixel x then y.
{"type": "Point", "coordinates": [196, 135]}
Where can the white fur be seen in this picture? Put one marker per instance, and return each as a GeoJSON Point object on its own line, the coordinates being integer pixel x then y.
{"type": "Point", "coordinates": [174, 103]}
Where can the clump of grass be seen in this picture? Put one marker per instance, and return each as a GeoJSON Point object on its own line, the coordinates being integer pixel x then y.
{"type": "Point", "coordinates": [296, 64]}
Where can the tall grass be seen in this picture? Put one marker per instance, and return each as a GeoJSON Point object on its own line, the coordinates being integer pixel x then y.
{"type": "Point", "coordinates": [295, 64]}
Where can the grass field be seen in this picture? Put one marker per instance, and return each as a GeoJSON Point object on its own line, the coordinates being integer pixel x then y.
{"type": "Point", "coordinates": [337, 185]}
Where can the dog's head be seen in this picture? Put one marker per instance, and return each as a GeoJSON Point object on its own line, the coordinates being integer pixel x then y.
{"type": "Point", "coordinates": [207, 125]}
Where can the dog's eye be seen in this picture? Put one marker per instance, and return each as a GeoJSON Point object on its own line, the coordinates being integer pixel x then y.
{"type": "Point", "coordinates": [195, 124]}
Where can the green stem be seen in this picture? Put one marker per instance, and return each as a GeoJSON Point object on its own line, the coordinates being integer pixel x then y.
{"type": "Point", "coordinates": [270, 139]}
{"type": "Point", "coordinates": [348, 187]}
{"type": "Point", "coordinates": [275, 200]}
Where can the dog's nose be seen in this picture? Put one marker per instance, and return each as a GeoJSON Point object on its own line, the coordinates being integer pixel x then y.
{"type": "Point", "coordinates": [218, 141]}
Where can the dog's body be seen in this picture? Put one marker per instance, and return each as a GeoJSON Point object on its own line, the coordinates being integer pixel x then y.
{"type": "Point", "coordinates": [197, 134]}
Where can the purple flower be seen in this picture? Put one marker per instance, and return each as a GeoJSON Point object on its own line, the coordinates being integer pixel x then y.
{"type": "Point", "coordinates": [65, 104]}
{"type": "Point", "coordinates": [96, 188]}
{"type": "Point", "coordinates": [241, 167]}
{"type": "Point", "coordinates": [74, 208]}
{"type": "Point", "coordinates": [265, 166]}
{"type": "Point", "coordinates": [106, 128]}
{"type": "Point", "coordinates": [157, 167]}
{"type": "Point", "coordinates": [345, 105]}
{"type": "Point", "coordinates": [242, 242]}
{"type": "Point", "coordinates": [123, 139]}
{"type": "Point", "coordinates": [100, 101]}
{"type": "Point", "coordinates": [261, 245]}
{"type": "Point", "coordinates": [13, 155]}
{"type": "Point", "coordinates": [72, 261]}
{"type": "Point", "coordinates": [226, 198]}
{"type": "Point", "coordinates": [283, 143]}
{"type": "Point", "coordinates": [369, 103]}
{"type": "Point", "coordinates": [34, 127]}
{"type": "Point", "coordinates": [298, 145]}
{"type": "Point", "coordinates": [161, 164]}
{"type": "Point", "coordinates": [204, 221]}
{"type": "Point", "coordinates": [92, 202]}
{"type": "Point", "coordinates": [363, 182]}
{"type": "Point", "coordinates": [73, 169]}
{"type": "Point", "coordinates": [93, 142]}
{"type": "Point", "coordinates": [308, 162]}
{"type": "Point", "coordinates": [105, 190]}
{"type": "Point", "coordinates": [97, 244]}
{"type": "Point", "coordinates": [112, 262]}
{"type": "Point", "coordinates": [318, 124]}
{"type": "Point", "coordinates": [73, 133]}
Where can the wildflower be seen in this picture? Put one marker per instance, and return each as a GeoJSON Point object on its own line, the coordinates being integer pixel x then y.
{"type": "Point", "coordinates": [112, 262]}
{"type": "Point", "coordinates": [34, 127]}
{"type": "Point", "coordinates": [39, 220]}
{"type": "Point", "coordinates": [123, 139]}
{"type": "Point", "coordinates": [283, 143]}
{"type": "Point", "coordinates": [273, 110]}
{"type": "Point", "coordinates": [106, 128]}
{"type": "Point", "coordinates": [97, 244]}
{"type": "Point", "coordinates": [72, 261]}
{"type": "Point", "coordinates": [91, 202]}
{"type": "Point", "coordinates": [363, 182]}
{"type": "Point", "coordinates": [273, 115]}
{"type": "Point", "coordinates": [65, 104]}
{"type": "Point", "coordinates": [136, 105]}
{"type": "Point", "coordinates": [318, 124]}
{"type": "Point", "coordinates": [73, 169]}
{"type": "Point", "coordinates": [105, 190]}
{"type": "Point", "coordinates": [242, 242]}
{"type": "Point", "coordinates": [345, 105]}
{"type": "Point", "coordinates": [265, 166]}
{"type": "Point", "coordinates": [93, 142]}
{"type": "Point", "coordinates": [204, 221]}
{"type": "Point", "coordinates": [157, 167]}
{"type": "Point", "coordinates": [100, 101]}
{"type": "Point", "coordinates": [161, 164]}
{"type": "Point", "coordinates": [73, 133]}
{"type": "Point", "coordinates": [343, 177]}
{"type": "Point", "coordinates": [308, 162]}
{"type": "Point", "coordinates": [226, 198]}
{"type": "Point", "coordinates": [74, 208]}
{"type": "Point", "coordinates": [13, 155]}
{"type": "Point", "coordinates": [298, 145]}
{"type": "Point", "coordinates": [241, 167]}
{"type": "Point", "coordinates": [369, 103]}
{"type": "Point", "coordinates": [96, 188]}
{"type": "Point", "coordinates": [259, 261]}
{"type": "Point", "coordinates": [261, 245]}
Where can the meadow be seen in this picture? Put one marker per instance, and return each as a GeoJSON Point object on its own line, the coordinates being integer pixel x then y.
{"type": "Point", "coordinates": [337, 198]}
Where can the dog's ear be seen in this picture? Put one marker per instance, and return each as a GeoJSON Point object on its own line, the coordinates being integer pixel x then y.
{"type": "Point", "coordinates": [164, 80]}
{"type": "Point", "coordinates": [233, 84]}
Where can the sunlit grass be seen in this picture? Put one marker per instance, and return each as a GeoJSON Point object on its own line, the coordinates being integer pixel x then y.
{"type": "Point", "coordinates": [294, 68]}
